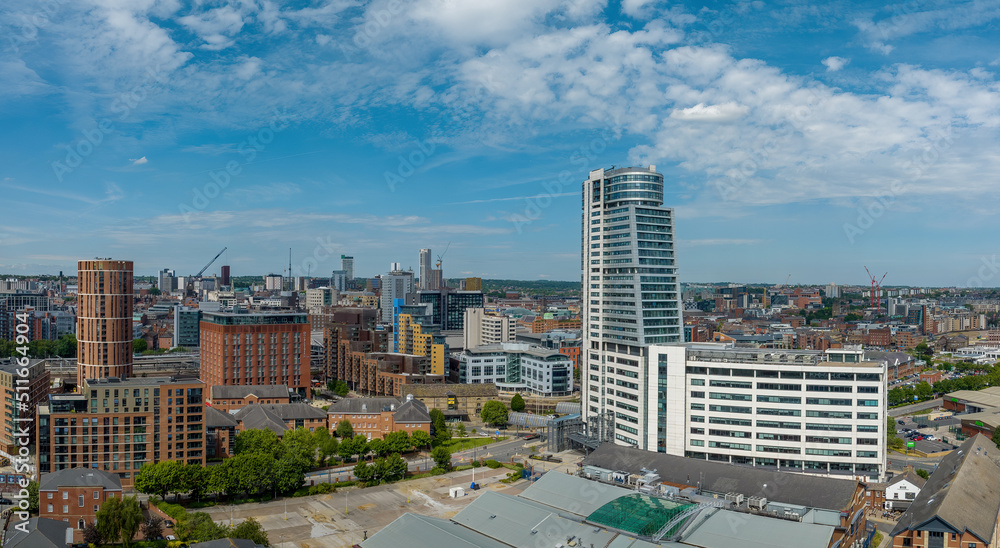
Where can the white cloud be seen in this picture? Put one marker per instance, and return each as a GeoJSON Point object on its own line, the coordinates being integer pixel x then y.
{"type": "Point", "coordinates": [833, 64]}
{"type": "Point", "coordinates": [726, 112]}
{"type": "Point", "coordinates": [138, 161]}
{"type": "Point", "coordinates": [216, 26]}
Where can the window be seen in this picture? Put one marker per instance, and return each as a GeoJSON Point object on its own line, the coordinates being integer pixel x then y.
{"type": "Point", "coordinates": [65, 495]}
{"type": "Point", "coordinates": [65, 508]}
{"type": "Point", "coordinates": [81, 501]}
{"type": "Point", "coordinates": [97, 495]}
{"type": "Point", "coordinates": [50, 508]}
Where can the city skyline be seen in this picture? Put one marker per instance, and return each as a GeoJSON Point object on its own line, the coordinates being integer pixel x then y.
{"type": "Point", "coordinates": [796, 139]}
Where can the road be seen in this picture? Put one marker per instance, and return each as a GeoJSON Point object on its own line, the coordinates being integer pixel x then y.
{"type": "Point", "coordinates": [908, 409]}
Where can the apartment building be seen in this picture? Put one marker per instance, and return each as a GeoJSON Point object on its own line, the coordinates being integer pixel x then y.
{"type": "Point", "coordinates": [631, 296]}
{"type": "Point", "coordinates": [256, 349]}
{"type": "Point", "coordinates": [820, 413]}
{"type": "Point", "coordinates": [118, 425]}
{"type": "Point", "coordinates": [35, 383]}
{"type": "Point", "coordinates": [104, 319]}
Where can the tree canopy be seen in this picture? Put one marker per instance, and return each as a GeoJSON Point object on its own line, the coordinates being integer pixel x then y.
{"type": "Point", "coordinates": [517, 403]}
{"type": "Point", "coordinates": [494, 413]}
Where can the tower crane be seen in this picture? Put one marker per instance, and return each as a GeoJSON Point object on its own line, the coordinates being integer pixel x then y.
{"type": "Point", "coordinates": [441, 256]}
{"type": "Point", "coordinates": [202, 271]}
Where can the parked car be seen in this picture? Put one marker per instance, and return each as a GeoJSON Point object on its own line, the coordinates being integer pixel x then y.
{"type": "Point", "coordinates": [901, 421]}
{"type": "Point", "coordinates": [532, 436]}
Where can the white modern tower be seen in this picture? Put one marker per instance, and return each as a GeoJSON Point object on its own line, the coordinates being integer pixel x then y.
{"type": "Point", "coordinates": [424, 268]}
{"type": "Point", "coordinates": [631, 300]}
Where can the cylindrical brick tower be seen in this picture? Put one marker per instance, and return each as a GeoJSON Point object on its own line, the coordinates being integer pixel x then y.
{"type": "Point", "coordinates": [104, 319]}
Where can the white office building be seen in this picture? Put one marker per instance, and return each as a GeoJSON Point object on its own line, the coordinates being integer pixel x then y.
{"type": "Point", "coordinates": [480, 328]}
{"type": "Point", "coordinates": [796, 410]}
{"type": "Point", "coordinates": [517, 367]}
{"type": "Point", "coordinates": [631, 299]}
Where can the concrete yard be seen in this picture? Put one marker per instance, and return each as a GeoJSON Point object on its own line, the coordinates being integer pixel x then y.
{"type": "Point", "coordinates": [341, 519]}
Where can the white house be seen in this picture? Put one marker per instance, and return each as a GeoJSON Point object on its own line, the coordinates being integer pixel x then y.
{"type": "Point", "coordinates": [902, 489]}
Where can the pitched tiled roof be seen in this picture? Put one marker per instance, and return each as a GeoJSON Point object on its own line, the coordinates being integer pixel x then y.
{"type": "Point", "coordinates": [79, 477]}
{"type": "Point", "coordinates": [962, 492]}
{"type": "Point", "coordinates": [369, 405]}
{"type": "Point", "coordinates": [442, 390]}
{"type": "Point", "coordinates": [239, 391]}
{"type": "Point", "coordinates": [412, 411]}
{"type": "Point", "coordinates": [42, 533]}
{"type": "Point", "coordinates": [258, 418]}
{"type": "Point", "coordinates": [218, 419]}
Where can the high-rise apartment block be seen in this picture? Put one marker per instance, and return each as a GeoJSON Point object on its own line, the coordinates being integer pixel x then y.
{"type": "Point", "coordinates": [347, 265]}
{"type": "Point", "coordinates": [104, 319]}
{"type": "Point", "coordinates": [448, 305]}
{"type": "Point", "coordinates": [263, 348]}
{"type": "Point", "coordinates": [224, 276]}
{"type": "Point", "coordinates": [424, 268]}
{"type": "Point", "coordinates": [631, 297]}
{"type": "Point", "coordinates": [273, 282]}
{"type": "Point", "coordinates": [397, 284]}
{"type": "Point", "coordinates": [166, 281]}
{"type": "Point", "coordinates": [480, 328]}
{"type": "Point", "coordinates": [338, 280]}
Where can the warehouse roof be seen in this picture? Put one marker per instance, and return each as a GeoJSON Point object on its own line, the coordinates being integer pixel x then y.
{"type": "Point", "coordinates": [810, 491]}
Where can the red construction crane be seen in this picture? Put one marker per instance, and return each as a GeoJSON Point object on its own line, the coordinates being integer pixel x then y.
{"type": "Point", "coordinates": [876, 295]}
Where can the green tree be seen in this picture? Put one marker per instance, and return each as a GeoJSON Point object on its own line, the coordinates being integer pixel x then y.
{"type": "Point", "coordinates": [257, 441]}
{"type": "Point", "coordinates": [494, 413]}
{"type": "Point", "coordinates": [119, 519]}
{"type": "Point", "coordinates": [341, 389]}
{"type": "Point", "coordinates": [378, 448]}
{"type": "Point", "coordinates": [345, 430]}
{"type": "Point", "coordinates": [33, 496]}
{"type": "Point", "coordinates": [439, 428]}
{"type": "Point", "coordinates": [326, 445]}
{"type": "Point", "coordinates": [398, 442]}
{"type": "Point", "coordinates": [996, 437]}
{"type": "Point", "coordinates": [154, 291]}
{"type": "Point", "coordinates": [139, 346]}
{"type": "Point", "coordinates": [851, 317]}
{"type": "Point", "coordinates": [460, 430]}
{"type": "Point", "coordinates": [421, 439]}
{"type": "Point", "coordinates": [442, 457]}
{"type": "Point", "coordinates": [302, 443]}
{"type": "Point", "coordinates": [65, 347]}
{"type": "Point", "coordinates": [196, 479]}
{"type": "Point", "coordinates": [517, 403]}
{"type": "Point", "coordinates": [251, 529]}
{"type": "Point", "coordinates": [923, 473]}
{"type": "Point", "coordinates": [161, 478]}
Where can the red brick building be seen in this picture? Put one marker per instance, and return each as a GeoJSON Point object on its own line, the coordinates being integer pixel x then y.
{"type": "Point", "coordinates": [104, 319]}
{"type": "Point", "coordinates": [74, 495]}
{"type": "Point", "coordinates": [376, 417]}
{"type": "Point", "coordinates": [118, 425]}
{"type": "Point", "coordinates": [230, 397]}
{"type": "Point", "coordinates": [256, 349]}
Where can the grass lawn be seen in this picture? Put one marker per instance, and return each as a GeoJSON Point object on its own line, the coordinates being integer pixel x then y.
{"type": "Point", "coordinates": [461, 444]}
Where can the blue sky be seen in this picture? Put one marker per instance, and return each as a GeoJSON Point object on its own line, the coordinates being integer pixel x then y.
{"type": "Point", "coordinates": [795, 138]}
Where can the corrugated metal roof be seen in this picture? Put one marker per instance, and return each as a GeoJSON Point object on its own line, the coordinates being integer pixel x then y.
{"type": "Point", "coordinates": [415, 531]}
{"type": "Point", "coordinates": [572, 494]}
{"type": "Point", "coordinates": [724, 529]}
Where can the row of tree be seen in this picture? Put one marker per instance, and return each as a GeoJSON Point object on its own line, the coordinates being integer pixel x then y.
{"type": "Point", "coordinates": [63, 347]}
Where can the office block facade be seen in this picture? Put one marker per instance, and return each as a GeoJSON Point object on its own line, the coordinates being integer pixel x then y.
{"type": "Point", "coordinates": [397, 284]}
{"type": "Point", "coordinates": [104, 319]}
{"type": "Point", "coordinates": [347, 265]}
{"type": "Point", "coordinates": [480, 328]}
{"type": "Point", "coordinates": [518, 367]}
{"type": "Point", "coordinates": [804, 411]}
{"type": "Point", "coordinates": [424, 269]}
{"type": "Point", "coordinates": [631, 296]}
{"type": "Point", "coordinates": [187, 326]}
{"type": "Point", "coordinates": [256, 349]}
{"type": "Point", "coordinates": [118, 425]}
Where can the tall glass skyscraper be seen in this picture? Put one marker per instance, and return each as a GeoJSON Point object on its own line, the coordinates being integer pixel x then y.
{"type": "Point", "coordinates": [631, 299]}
